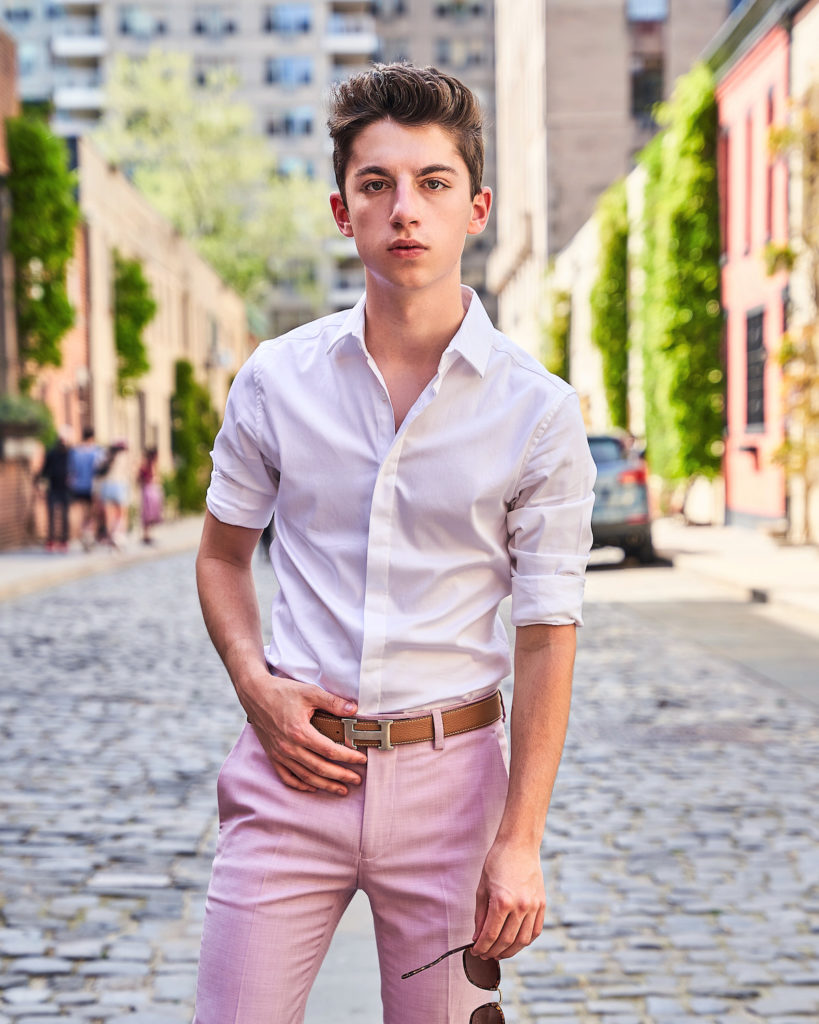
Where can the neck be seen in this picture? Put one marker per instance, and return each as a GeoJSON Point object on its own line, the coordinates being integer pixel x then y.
{"type": "Point", "coordinates": [414, 327]}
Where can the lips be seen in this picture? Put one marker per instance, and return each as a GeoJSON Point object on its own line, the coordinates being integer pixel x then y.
{"type": "Point", "coordinates": [409, 245]}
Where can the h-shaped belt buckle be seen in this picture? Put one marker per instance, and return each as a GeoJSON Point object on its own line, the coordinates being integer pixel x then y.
{"type": "Point", "coordinates": [382, 733]}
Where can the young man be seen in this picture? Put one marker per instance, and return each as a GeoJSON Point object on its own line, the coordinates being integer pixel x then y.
{"type": "Point", "coordinates": [421, 468]}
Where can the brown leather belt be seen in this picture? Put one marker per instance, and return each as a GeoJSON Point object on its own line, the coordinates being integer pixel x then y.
{"type": "Point", "coordinates": [386, 733]}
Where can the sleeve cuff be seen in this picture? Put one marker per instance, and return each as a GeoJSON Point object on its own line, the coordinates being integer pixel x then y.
{"type": "Point", "coordinates": [548, 600]}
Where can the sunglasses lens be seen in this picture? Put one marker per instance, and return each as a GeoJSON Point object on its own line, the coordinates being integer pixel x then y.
{"type": "Point", "coordinates": [482, 973]}
{"type": "Point", "coordinates": [491, 1013]}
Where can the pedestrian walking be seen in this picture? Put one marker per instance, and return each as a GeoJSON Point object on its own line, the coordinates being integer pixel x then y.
{"type": "Point", "coordinates": [151, 494]}
{"type": "Point", "coordinates": [83, 462]}
{"type": "Point", "coordinates": [58, 497]}
{"type": "Point", "coordinates": [112, 481]}
{"type": "Point", "coordinates": [421, 468]}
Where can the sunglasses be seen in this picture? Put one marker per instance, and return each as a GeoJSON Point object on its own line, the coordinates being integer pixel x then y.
{"type": "Point", "coordinates": [483, 974]}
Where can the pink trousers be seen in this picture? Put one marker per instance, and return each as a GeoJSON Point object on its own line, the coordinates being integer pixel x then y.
{"type": "Point", "coordinates": [413, 836]}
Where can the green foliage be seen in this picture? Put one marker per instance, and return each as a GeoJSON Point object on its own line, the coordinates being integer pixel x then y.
{"type": "Point", "coordinates": [609, 300]}
{"type": "Point", "coordinates": [194, 426]}
{"type": "Point", "coordinates": [41, 240]}
{"type": "Point", "coordinates": [557, 334]}
{"type": "Point", "coordinates": [681, 310]}
{"type": "Point", "coordinates": [23, 415]}
{"type": "Point", "coordinates": [134, 308]}
{"type": "Point", "coordinates": [195, 154]}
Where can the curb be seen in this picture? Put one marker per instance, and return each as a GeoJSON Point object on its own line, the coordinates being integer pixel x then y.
{"type": "Point", "coordinates": [91, 566]}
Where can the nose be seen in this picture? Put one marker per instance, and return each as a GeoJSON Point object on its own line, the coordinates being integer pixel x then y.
{"type": "Point", "coordinates": [405, 206]}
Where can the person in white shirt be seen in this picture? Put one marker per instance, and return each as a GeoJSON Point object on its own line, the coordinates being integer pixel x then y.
{"type": "Point", "coordinates": [421, 468]}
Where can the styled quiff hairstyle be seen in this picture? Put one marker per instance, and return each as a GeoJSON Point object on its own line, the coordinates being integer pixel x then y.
{"type": "Point", "coordinates": [409, 96]}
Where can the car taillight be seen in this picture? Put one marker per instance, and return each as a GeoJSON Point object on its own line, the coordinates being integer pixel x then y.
{"type": "Point", "coordinates": [632, 476]}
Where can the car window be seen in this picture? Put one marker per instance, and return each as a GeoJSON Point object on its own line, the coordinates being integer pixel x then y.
{"type": "Point", "coordinates": [606, 449]}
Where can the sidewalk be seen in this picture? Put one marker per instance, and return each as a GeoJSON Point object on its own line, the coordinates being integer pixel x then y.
{"type": "Point", "coordinates": [31, 569]}
{"type": "Point", "coordinates": [746, 559]}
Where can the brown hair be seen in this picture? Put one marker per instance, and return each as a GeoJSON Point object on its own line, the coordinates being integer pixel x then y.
{"type": "Point", "coordinates": [409, 96]}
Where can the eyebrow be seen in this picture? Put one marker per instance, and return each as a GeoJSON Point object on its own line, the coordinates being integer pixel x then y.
{"type": "Point", "coordinates": [384, 173]}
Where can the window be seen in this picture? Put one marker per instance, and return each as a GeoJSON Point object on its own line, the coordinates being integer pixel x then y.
{"type": "Point", "coordinates": [460, 9]}
{"type": "Point", "coordinates": [288, 19]}
{"type": "Point", "coordinates": [459, 53]}
{"type": "Point", "coordinates": [749, 176]}
{"type": "Point", "coordinates": [294, 122]}
{"type": "Point", "coordinates": [389, 8]}
{"type": "Point", "coordinates": [647, 10]}
{"type": "Point", "coordinates": [289, 72]}
{"type": "Point", "coordinates": [29, 56]}
{"type": "Point", "coordinates": [210, 20]}
{"type": "Point", "coordinates": [755, 345]}
{"type": "Point", "coordinates": [138, 21]}
{"type": "Point", "coordinates": [646, 86]}
{"type": "Point", "coordinates": [723, 166]}
{"type": "Point", "coordinates": [19, 15]}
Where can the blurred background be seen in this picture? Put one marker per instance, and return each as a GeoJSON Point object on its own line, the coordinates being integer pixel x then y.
{"type": "Point", "coordinates": [164, 174]}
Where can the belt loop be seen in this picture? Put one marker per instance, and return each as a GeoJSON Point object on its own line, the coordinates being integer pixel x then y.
{"type": "Point", "coordinates": [503, 707]}
{"type": "Point", "coordinates": [438, 726]}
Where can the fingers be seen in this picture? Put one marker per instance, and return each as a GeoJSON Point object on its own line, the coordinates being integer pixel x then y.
{"type": "Point", "coordinates": [507, 929]}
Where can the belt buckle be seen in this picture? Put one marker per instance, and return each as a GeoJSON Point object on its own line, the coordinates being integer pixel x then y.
{"type": "Point", "coordinates": [382, 733]}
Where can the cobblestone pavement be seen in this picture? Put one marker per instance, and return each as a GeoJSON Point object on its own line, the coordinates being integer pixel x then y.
{"type": "Point", "coordinates": [682, 858]}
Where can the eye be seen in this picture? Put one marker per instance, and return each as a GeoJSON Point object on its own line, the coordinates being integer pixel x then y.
{"type": "Point", "coordinates": [374, 186]}
{"type": "Point", "coordinates": [435, 184]}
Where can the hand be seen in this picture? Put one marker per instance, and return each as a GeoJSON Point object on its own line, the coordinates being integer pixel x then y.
{"type": "Point", "coordinates": [280, 709]}
{"type": "Point", "coordinates": [510, 903]}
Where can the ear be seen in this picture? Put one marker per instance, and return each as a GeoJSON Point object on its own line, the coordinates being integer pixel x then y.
{"type": "Point", "coordinates": [481, 205]}
{"type": "Point", "coordinates": [340, 215]}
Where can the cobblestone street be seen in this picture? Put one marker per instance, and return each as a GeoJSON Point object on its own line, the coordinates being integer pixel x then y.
{"type": "Point", "coordinates": [682, 858]}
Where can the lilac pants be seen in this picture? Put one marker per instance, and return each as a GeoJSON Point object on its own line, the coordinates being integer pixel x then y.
{"type": "Point", "coordinates": [413, 836]}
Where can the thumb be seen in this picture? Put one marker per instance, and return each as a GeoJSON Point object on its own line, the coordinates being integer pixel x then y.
{"type": "Point", "coordinates": [334, 704]}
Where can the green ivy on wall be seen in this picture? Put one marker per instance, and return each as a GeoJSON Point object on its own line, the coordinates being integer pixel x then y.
{"type": "Point", "coordinates": [609, 300]}
{"type": "Point", "coordinates": [557, 334]}
{"type": "Point", "coordinates": [194, 426]}
{"type": "Point", "coordinates": [134, 308]}
{"type": "Point", "coordinates": [681, 310]}
{"type": "Point", "coordinates": [41, 240]}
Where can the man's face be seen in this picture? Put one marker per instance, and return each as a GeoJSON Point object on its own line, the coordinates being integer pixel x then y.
{"type": "Point", "coordinates": [409, 206]}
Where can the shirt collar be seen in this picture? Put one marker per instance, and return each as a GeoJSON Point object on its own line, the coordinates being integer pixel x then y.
{"type": "Point", "coordinates": [472, 340]}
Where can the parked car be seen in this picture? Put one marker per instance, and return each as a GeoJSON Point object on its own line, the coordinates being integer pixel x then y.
{"type": "Point", "coordinates": [621, 515]}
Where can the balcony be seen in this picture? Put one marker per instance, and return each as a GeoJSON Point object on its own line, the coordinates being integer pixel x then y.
{"type": "Point", "coordinates": [78, 98]}
{"type": "Point", "coordinates": [83, 44]}
{"type": "Point", "coordinates": [350, 35]}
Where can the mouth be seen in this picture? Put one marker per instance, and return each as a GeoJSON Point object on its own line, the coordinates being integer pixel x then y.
{"type": "Point", "coordinates": [407, 246]}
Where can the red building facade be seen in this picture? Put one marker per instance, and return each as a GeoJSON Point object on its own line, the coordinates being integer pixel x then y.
{"type": "Point", "coordinates": [752, 97]}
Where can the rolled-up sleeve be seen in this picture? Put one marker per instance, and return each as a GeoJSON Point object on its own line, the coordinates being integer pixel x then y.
{"type": "Point", "coordinates": [244, 482]}
{"type": "Point", "coordinates": [550, 522]}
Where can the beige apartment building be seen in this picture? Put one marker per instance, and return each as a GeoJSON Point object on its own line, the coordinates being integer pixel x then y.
{"type": "Point", "coordinates": [286, 56]}
{"type": "Point", "coordinates": [575, 84]}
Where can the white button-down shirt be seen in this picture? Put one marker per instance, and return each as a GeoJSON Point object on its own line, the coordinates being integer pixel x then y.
{"type": "Point", "coordinates": [394, 549]}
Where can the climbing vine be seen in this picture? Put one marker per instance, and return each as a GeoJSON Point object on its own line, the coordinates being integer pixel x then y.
{"type": "Point", "coordinates": [609, 300]}
{"type": "Point", "coordinates": [41, 240]}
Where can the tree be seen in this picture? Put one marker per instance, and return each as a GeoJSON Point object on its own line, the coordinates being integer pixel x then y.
{"type": "Point", "coordinates": [194, 426]}
{"type": "Point", "coordinates": [609, 300]}
{"type": "Point", "coordinates": [134, 308]}
{"type": "Point", "coordinates": [41, 240]}
{"type": "Point", "coordinates": [681, 308]}
{"type": "Point", "coordinates": [799, 349]}
{"type": "Point", "coordinates": [194, 153]}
